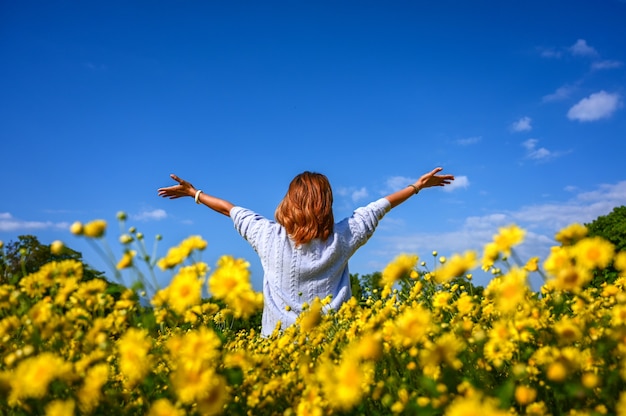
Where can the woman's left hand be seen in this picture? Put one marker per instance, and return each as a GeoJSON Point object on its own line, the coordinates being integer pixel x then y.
{"type": "Point", "coordinates": [183, 188]}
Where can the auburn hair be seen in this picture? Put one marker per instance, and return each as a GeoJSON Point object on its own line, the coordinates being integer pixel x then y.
{"type": "Point", "coordinates": [306, 211]}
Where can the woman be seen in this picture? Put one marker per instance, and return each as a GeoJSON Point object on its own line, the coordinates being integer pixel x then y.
{"type": "Point", "coordinates": [304, 253]}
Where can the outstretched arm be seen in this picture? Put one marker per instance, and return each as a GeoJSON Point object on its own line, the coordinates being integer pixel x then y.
{"type": "Point", "coordinates": [426, 181]}
{"type": "Point", "coordinates": [185, 188]}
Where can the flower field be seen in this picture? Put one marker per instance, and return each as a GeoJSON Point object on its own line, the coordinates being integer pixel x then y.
{"type": "Point", "coordinates": [424, 341]}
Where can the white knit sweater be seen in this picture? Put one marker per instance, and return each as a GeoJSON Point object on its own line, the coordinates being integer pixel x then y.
{"type": "Point", "coordinates": [295, 275]}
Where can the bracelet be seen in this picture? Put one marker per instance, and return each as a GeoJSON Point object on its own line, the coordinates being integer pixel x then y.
{"type": "Point", "coordinates": [198, 192]}
{"type": "Point", "coordinates": [414, 187]}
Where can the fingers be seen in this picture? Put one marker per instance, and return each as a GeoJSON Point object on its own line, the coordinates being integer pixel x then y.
{"type": "Point", "coordinates": [176, 178]}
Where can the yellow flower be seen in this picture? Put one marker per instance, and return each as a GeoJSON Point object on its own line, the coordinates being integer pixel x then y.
{"type": "Point", "coordinates": [474, 405]}
{"type": "Point", "coordinates": [456, 266]}
{"type": "Point", "coordinates": [557, 372]}
{"type": "Point", "coordinates": [508, 237]}
{"type": "Point", "coordinates": [412, 325]}
{"type": "Point", "coordinates": [344, 384]}
{"type": "Point", "coordinates": [56, 247]}
{"type": "Point", "coordinates": [212, 403]}
{"type": "Point", "coordinates": [594, 252]}
{"type": "Point", "coordinates": [465, 304]}
{"type": "Point", "coordinates": [185, 290]}
{"type": "Point", "coordinates": [95, 228]}
{"type": "Point", "coordinates": [571, 278]}
{"type": "Point", "coordinates": [76, 228]}
{"type": "Point", "coordinates": [177, 255]}
{"type": "Point", "coordinates": [34, 374]}
{"type": "Point", "coordinates": [442, 350]}
{"type": "Point", "coordinates": [490, 255]}
{"type": "Point", "coordinates": [509, 291]}
{"type": "Point", "coordinates": [194, 242]}
{"type": "Point", "coordinates": [192, 383]}
{"type": "Point", "coordinates": [163, 407]}
{"type": "Point", "coordinates": [60, 408]}
{"type": "Point", "coordinates": [90, 393]}
{"type": "Point", "coordinates": [400, 267]}
{"type": "Point", "coordinates": [231, 283]}
{"type": "Point", "coordinates": [590, 380]}
{"type": "Point", "coordinates": [525, 395]}
{"type": "Point", "coordinates": [532, 265]}
{"type": "Point", "coordinates": [571, 234]}
{"type": "Point", "coordinates": [126, 260]}
{"type": "Point", "coordinates": [441, 300]}
{"type": "Point", "coordinates": [231, 275]}
{"type": "Point", "coordinates": [174, 257]}
{"type": "Point", "coordinates": [311, 317]}
{"type": "Point", "coordinates": [568, 330]}
{"type": "Point", "coordinates": [134, 359]}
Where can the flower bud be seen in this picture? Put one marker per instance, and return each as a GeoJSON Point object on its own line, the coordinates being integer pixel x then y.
{"type": "Point", "coordinates": [76, 228]}
{"type": "Point", "coordinates": [95, 228]}
{"type": "Point", "coordinates": [56, 247]}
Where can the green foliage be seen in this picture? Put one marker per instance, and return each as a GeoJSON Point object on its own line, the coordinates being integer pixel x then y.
{"type": "Point", "coordinates": [27, 255]}
{"type": "Point", "coordinates": [611, 227]}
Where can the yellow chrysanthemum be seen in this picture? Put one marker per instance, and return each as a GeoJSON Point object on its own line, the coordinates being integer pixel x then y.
{"type": "Point", "coordinates": [126, 260]}
{"type": "Point", "coordinates": [525, 395]}
{"type": "Point", "coordinates": [60, 408]}
{"type": "Point", "coordinates": [134, 358]}
{"type": "Point", "coordinates": [568, 330]}
{"type": "Point", "coordinates": [594, 252]}
{"type": "Point", "coordinates": [456, 266]}
{"type": "Point", "coordinates": [231, 275]}
{"type": "Point", "coordinates": [571, 278]}
{"type": "Point", "coordinates": [95, 228]}
{"type": "Point", "coordinates": [178, 254]}
{"type": "Point", "coordinates": [509, 291]}
{"type": "Point", "coordinates": [90, 393]}
{"type": "Point", "coordinates": [231, 283]}
{"type": "Point", "coordinates": [344, 384]}
{"type": "Point", "coordinates": [34, 374]}
{"type": "Point", "coordinates": [56, 247]}
{"type": "Point", "coordinates": [412, 325]}
{"type": "Point", "coordinates": [490, 255]}
{"type": "Point", "coordinates": [571, 234]}
{"type": "Point", "coordinates": [474, 405]}
{"type": "Point", "coordinates": [399, 268]}
{"type": "Point", "coordinates": [444, 349]}
{"type": "Point", "coordinates": [508, 237]}
{"type": "Point", "coordinates": [185, 290]}
{"type": "Point", "coordinates": [163, 407]}
{"type": "Point", "coordinates": [311, 317]}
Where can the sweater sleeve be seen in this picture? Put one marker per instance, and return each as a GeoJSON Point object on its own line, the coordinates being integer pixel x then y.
{"type": "Point", "coordinates": [249, 225]}
{"type": "Point", "coordinates": [363, 222]}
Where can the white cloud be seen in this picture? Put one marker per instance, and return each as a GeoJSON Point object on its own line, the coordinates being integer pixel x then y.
{"type": "Point", "coordinates": [469, 140]}
{"type": "Point", "coordinates": [359, 194]}
{"type": "Point", "coordinates": [560, 94]}
{"type": "Point", "coordinates": [8, 223]}
{"type": "Point", "coordinates": [153, 215]}
{"type": "Point", "coordinates": [537, 153]}
{"type": "Point", "coordinates": [459, 182]}
{"type": "Point", "coordinates": [523, 124]}
{"type": "Point", "coordinates": [595, 107]}
{"type": "Point", "coordinates": [550, 53]}
{"type": "Point", "coordinates": [398, 182]}
{"type": "Point", "coordinates": [606, 64]}
{"type": "Point", "coordinates": [580, 48]}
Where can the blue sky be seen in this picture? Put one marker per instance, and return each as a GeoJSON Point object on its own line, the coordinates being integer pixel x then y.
{"type": "Point", "coordinates": [522, 100]}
